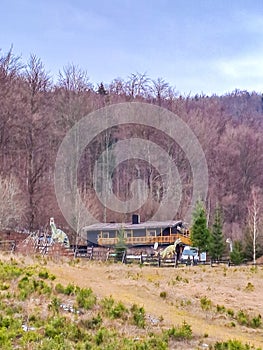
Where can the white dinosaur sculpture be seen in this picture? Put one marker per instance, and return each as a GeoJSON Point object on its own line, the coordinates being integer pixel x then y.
{"type": "Point", "coordinates": [229, 241]}
{"type": "Point", "coordinates": [58, 235]}
{"type": "Point", "coordinates": [170, 251]}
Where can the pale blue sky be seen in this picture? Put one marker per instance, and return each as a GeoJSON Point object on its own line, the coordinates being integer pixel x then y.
{"type": "Point", "coordinates": [196, 45]}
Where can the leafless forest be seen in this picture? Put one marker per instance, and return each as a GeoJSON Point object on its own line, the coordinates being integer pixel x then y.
{"type": "Point", "coordinates": [36, 113]}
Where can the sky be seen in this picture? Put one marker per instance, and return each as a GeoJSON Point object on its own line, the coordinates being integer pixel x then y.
{"type": "Point", "coordinates": [198, 46]}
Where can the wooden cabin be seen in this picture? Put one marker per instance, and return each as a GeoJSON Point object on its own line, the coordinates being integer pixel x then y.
{"type": "Point", "coordinates": [136, 233]}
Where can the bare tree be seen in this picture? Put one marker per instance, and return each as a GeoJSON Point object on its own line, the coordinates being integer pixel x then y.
{"type": "Point", "coordinates": [255, 217]}
{"type": "Point", "coordinates": [10, 97]}
{"type": "Point", "coordinates": [72, 96]}
{"type": "Point", "coordinates": [160, 89]}
{"type": "Point", "coordinates": [117, 86]}
{"type": "Point", "coordinates": [35, 133]}
{"type": "Point", "coordinates": [11, 203]}
{"type": "Point", "coordinates": [137, 85]}
{"type": "Point", "coordinates": [73, 78]}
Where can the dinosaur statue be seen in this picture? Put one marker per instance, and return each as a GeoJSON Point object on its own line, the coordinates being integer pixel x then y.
{"type": "Point", "coordinates": [170, 251]}
{"type": "Point", "coordinates": [58, 235]}
{"type": "Point", "coordinates": [229, 241]}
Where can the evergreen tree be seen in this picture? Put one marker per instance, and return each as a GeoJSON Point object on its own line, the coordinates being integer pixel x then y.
{"type": "Point", "coordinates": [237, 255]}
{"type": "Point", "coordinates": [120, 247]}
{"type": "Point", "coordinates": [101, 90]}
{"type": "Point", "coordinates": [217, 244]}
{"type": "Point", "coordinates": [199, 232]}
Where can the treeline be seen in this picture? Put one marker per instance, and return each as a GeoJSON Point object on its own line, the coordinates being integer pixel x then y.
{"type": "Point", "coordinates": [36, 113]}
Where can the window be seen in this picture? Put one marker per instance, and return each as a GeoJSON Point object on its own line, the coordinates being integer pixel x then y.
{"type": "Point", "coordinates": [128, 234]}
{"type": "Point", "coordinates": [105, 234]}
{"type": "Point", "coordinates": [151, 233]}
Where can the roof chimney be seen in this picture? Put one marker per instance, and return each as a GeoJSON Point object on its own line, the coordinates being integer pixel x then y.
{"type": "Point", "coordinates": [135, 219]}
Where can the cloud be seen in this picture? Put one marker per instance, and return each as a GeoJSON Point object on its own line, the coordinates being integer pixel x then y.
{"type": "Point", "coordinates": [242, 67]}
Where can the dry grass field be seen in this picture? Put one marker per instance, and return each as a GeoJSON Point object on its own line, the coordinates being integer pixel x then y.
{"type": "Point", "coordinates": [213, 300]}
{"type": "Point", "coordinates": [219, 303]}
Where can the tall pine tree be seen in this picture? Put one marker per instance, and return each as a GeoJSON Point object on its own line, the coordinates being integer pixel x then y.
{"type": "Point", "coordinates": [217, 244]}
{"type": "Point", "coordinates": [200, 234]}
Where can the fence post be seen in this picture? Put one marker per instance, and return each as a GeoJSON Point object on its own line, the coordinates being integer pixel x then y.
{"type": "Point", "coordinates": [175, 260]}
{"type": "Point", "coordinates": [123, 260]}
{"type": "Point", "coordinates": [141, 259]}
{"type": "Point", "coordinates": [159, 259]}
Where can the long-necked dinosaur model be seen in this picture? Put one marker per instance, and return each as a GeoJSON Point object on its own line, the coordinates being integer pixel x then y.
{"type": "Point", "coordinates": [170, 251]}
{"type": "Point", "coordinates": [58, 235]}
{"type": "Point", "coordinates": [229, 241]}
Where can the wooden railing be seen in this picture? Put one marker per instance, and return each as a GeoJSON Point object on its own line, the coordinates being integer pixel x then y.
{"type": "Point", "coordinates": [146, 240]}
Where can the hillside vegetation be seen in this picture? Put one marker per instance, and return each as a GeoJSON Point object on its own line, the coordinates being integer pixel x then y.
{"type": "Point", "coordinates": [36, 113]}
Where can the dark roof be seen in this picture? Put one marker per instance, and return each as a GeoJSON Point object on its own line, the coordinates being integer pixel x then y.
{"type": "Point", "coordinates": [130, 226]}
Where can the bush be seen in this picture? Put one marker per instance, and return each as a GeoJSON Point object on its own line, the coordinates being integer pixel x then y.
{"type": "Point", "coordinates": [59, 288]}
{"type": "Point", "coordinates": [220, 308]}
{"type": "Point", "coordinates": [93, 323]}
{"type": "Point", "coordinates": [55, 327]}
{"type": "Point", "coordinates": [86, 299]}
{"type": "Point", "coordinates": [101, 335]}
{"type": "Point", "coordinates": [69, 289]}
{"type": "Point", "coordinates": [163, 295]}
{"type": "Point", "coordinates": [242, 318]}
{"type": "Point", "coordinates": [113, 310]}
{"type": "Point", "coordinates": [230, 312]}
{"type": "Point", "coordinates": [256, 322]}
{"type": "Point", "coordinates": [206, 303]}
{"type": "Point", "coordinates": [43, 274]}
{"type": "Point", "coordinates": [232, 345]}
{"type": "Point", "coordinates": [249, 287]}
{"type": "Point", "coordinates": [138, 316]}
{"type": "Point", "coordinates": [180, 333]}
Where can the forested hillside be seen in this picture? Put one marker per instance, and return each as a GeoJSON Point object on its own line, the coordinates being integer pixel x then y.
{"type": "Point", "coordinates": [37, 110]}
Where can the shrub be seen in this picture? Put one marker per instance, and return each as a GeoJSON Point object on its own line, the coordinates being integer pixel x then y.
{"type": "Point", "coordinates": [163, 295]}
{"type": "Point", "coordinates": [113, 310]}
{"type": "Point", "coordinates": [206, 303]}
{"type": "Point", "coordinates": [242, 318]}
{"type": "Point", "coordinates": [220, 308]}
{"type": "Point", "coordinates": [43, 274]}
{"type": "Point", "coordinates": [180, 333]}
{"type": "Point", "coordinates": [54, 305]}
{"type": "Point", "coordinates": [69, 289]}
{"type": "Point", "coordinates": [138, 316]}
{"type": "Point", "coordinates": [155, 342]}
{"type": "Point", "coordinates": [249, 287]}
{"type": "Point", "coordinates": [256, 322]}
{"type": "Point", "coordinates": [101, 336]}
{"type": "Point", "coordinates": [86, 298]}
{"type": "Point", "coordinates": [93, 323]}
{"type": "Point", "coordinates": [55, 327]}
{"type": "Point", "coordinates": [59, 288]}
{"type": "Point", "coordinates": [230, 312]}
{"type": "Point", "coordinates": [232, 345]}
{"type": "Point", "coordinates": [4, 286]}
{"type": "Point", "coordinates": [118, 311]}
